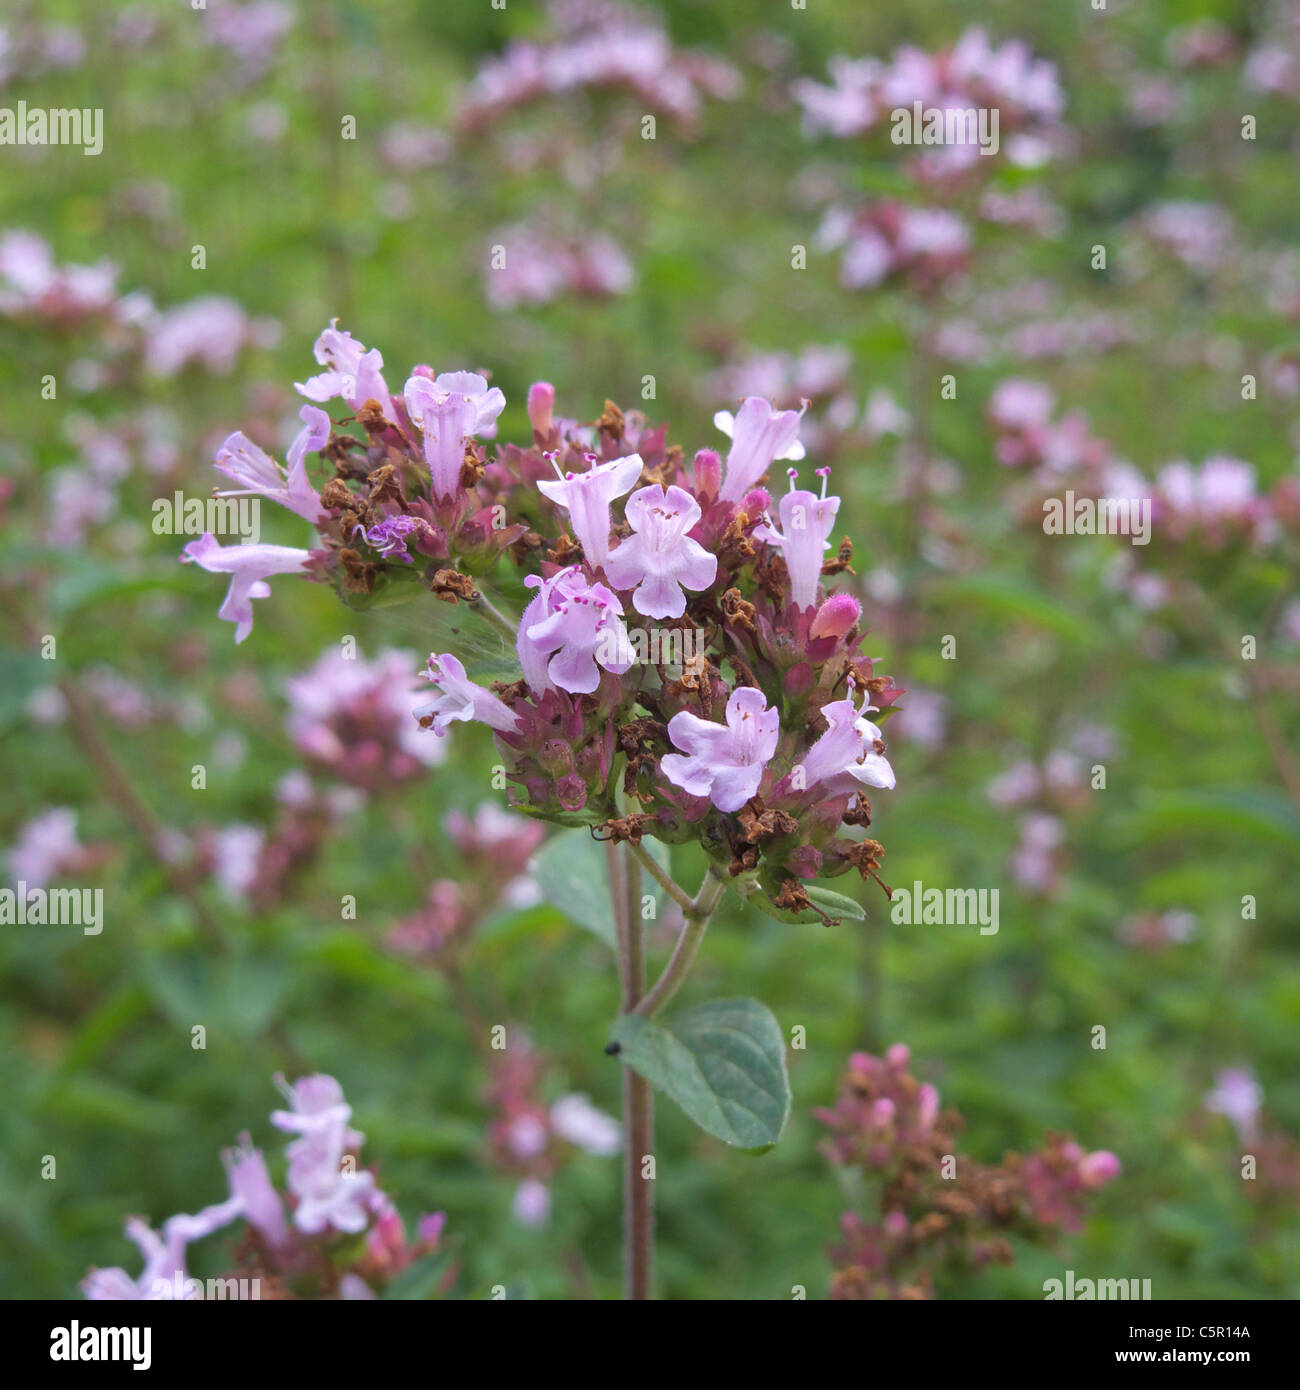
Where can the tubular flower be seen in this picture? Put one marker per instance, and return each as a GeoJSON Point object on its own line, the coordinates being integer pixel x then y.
{"type": "Point", "coordinates": [586, 497]}
{"type": "Point", "coordinates": [259, 474]}
{"type": "Point", "coordinates": [759, 435]}
{"type": "Point", "coordinates": [724, 762]}
{"type": "Point", "coordinates": [249, 567]}
{"type": "Point", "coordinates": [448, 410]}
{"type": "Point", "coordinates": [460, 698]}
{"type": "Point", "coordinates": [806, 522]}
{"type": "Point", "coordinates": [352, 373]}
{"type": "Point", "coordinates": [583, 625]}
{"type": "Point", "coordinates": [659, 559]}
{"type": "Point", "coordinates": [846, 756]}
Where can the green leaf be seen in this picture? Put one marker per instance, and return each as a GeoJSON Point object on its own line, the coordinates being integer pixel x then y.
{"type": "Point", "coordinates": [85, 583]}
{"type": "Point", "coordinates": [836, 904]}
{"type": "Point", "coordinates": [1018, 599]}
{"type": "Point", "coordinates": [230, 998]}
{"type": "Point", "coordinates": [722, 1062]}
{"type": "Point", "coordinates": [21, 673]}
{"type": "Point", "coordinates": [833, 905]}
{"type": "Point", "coordinates": [1262, 815]}
{"type": "Point", "coordinates": [572, 871]}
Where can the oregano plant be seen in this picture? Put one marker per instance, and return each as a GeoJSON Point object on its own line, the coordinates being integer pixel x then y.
{"type": "Point", "coordinates": [661, 652]}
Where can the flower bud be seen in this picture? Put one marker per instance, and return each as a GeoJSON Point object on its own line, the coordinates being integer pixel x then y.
{"type": "Point", "coordinates": [541, 402]}
{"type": "Point", "coordinates": [836, 616]}
{"type": "Point", "coordinates": [708, 474]}
{"type": "Point", "coordinates": [927, 1108]}
{"type": "Point", "coordinates": [556, 757]}
{"type": "Point", "coordinates": [1099, 1168]}
{"type": "Point", "coordinates": [571, 792]}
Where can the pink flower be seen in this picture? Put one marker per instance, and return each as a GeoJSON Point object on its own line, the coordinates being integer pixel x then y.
{"type": "Point", "coordinates": [329, 1195]}
{"type": "Point", "coordinates": [164, 1270]}
{"type": "Point", "coordinates": [448, 410]}
{"type": "Point", "coordinates": [46, 846]}
{"type": "Point", "coordinates": [759, 435]}
{"type": "Point", "coordinates": [578, 1122]}
{"type": "Point", "coordinates": [251, 1187]}
{"type": "Point", "coordinates": [459, 699]}
{"type": "Point", "coordinates": [249, 567]}
{"type": "Point", "coordinates": [532, 1204]}
{"type": "Point", "coordinates": [724, 762]}
{"type": "Point", "coordinates": [660, 559]}
{"type": "Point", "coordinates": [258, 474]}
{"type": "Point", "coordinates": [353, 373]}
{"type": "Point", "coordinates": [541, 405]}
{"type": "Point", "coordinates": [1237, 1095]}
{"type": "Point", "coordinates": [838, 615]}
{"type": "Point", "coordinates": [806, 522]}
{"type": "Point", "coordinates": [1098, 1168]}
{"type": "Point", "coordinates": [586, 497]}
{"type": "Point", "coordinates": [845, 757]}
{"type": "Point", "coordinates": [582, 624]}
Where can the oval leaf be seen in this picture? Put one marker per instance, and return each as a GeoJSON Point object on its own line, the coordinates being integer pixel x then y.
{"type": "Point", "coordinates": [723, 1063]}
{"type": "Point", "coordinates": [572, 871]}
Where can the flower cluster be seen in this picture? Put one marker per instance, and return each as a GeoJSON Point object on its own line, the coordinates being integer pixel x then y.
{"type": "Point", "coordinates": [251, 32]}
{"type": "Point", "coordinates": [260, 865]}
{"type": "Point", "coordinates": [352, 718]}
{"type": "Point", "coordinates": [937, 1212]}
{"type": "Point", "coordinates": [1048, 795]}
{"type": "Point", "coordinates": [493, 851]}
{"type": "Point", "coordinates": [539, 266]}
{"type": "Point", "coordinates": [293, 1242]}
{"type": "Point", "coordinates": [31, 49]}
{"type": "Point", "coordinates": [1275, 1181]}
{"type": "Point", "coordinates": [1155, 931]}
{"type": "Point", "coordinates": [208, 333]}
{"type": "Point", "coordinates": [47, 848]}
{"type": "Point", "coordinates": [597, 45]}
{"type": "Point", "coordinates": [822, 376]}
{"type": "Point", "coordinates": [1029, 434]}
{"type": "Point", "coordinates": [888, 239]}
{"type": "Point", "coordinates": [678, 626]}
{"type": "Point", "coordinates": [971, 75]}
{"type": "Point", "coordinates": [33, 285]}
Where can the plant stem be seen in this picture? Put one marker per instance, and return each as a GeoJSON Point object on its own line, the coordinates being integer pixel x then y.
{"type": "Point", "coordinates": [121, 791]}
{"type": "Point", "coordinates": [484, 605]}
{"type": "Point", "coordinates": [638, 1098]}
{"type": "Point", "coordinates": [618, 906]}
{"type": "Point", "coordinates": [674, 890]}
{"type": "Point", "coordinates": [698, 913]}
{"type": "Point", "coordinates": [634, 985]}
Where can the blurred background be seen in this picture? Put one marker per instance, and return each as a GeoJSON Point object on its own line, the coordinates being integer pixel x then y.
{"type": "Point", "coordinates": [270, 165]}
